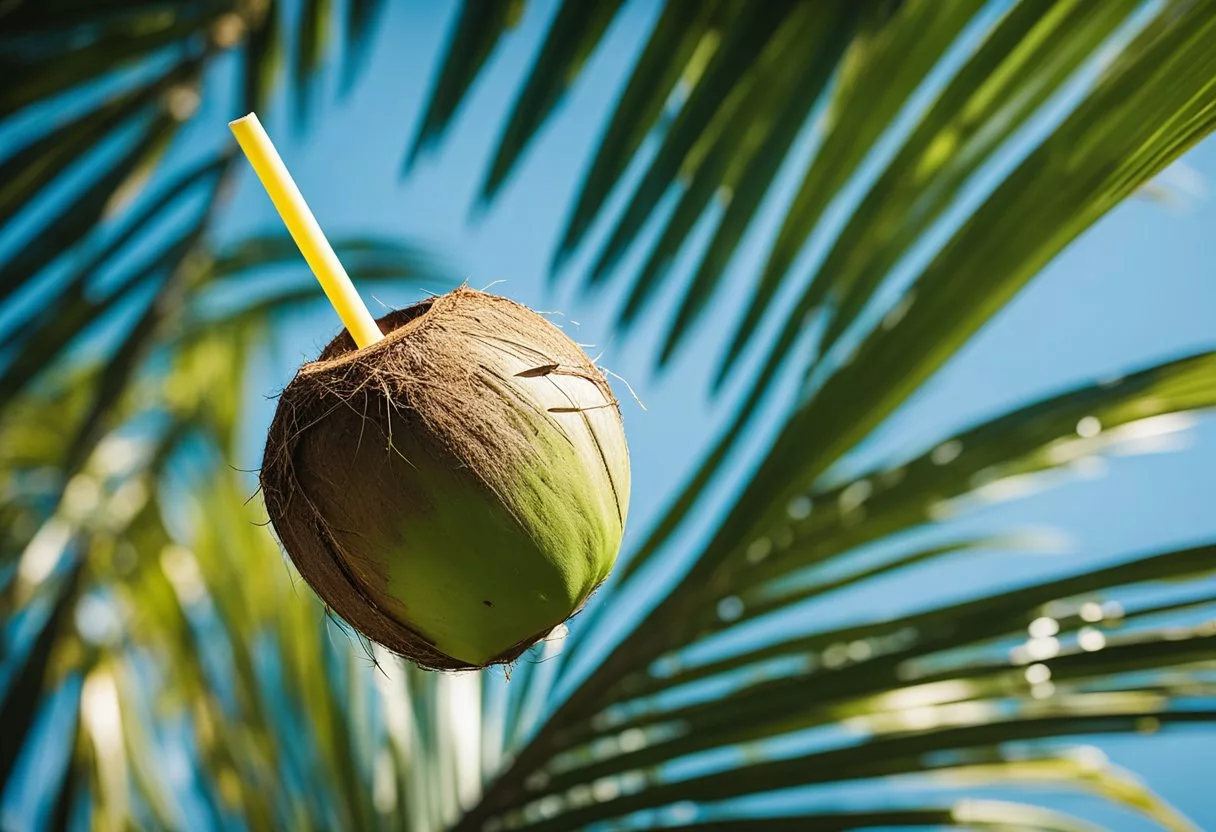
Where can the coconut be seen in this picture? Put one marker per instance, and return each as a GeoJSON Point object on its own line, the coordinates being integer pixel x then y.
{"type": "Point", "coordinates": [456, 490]}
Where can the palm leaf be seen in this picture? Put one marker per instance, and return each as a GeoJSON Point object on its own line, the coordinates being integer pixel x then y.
{"type": "Point", "coordinates": [74, 391]}
{"type": "Point", "coordinates": [361, 19]}
{"type": "Point", "coordinates": [52, 60]}
{"type": "Point", "coordinates": [574, 33]}
{"type": "Point", "coordinates": [915, 340]}
{"type": "Point", "coordinates": [31, 169]}
{"type": "Point", "coordinates": [995, 460]}
{"type": "Point", "coordinates": [880, 73]}
{"type": "Point", "coordinates": [136, 67]}
{"type": "Point", "coordinates": [1123, 148]}
{"type": "Point", "coordinates": [958, 623]}
{"type": "Point", "coordinates": [45, 334]}
{"type": "Point", "coordinates": [310, 50]}
{"type": "Point", "coordinates": [971, 814]}
{"type": "Point", "coordinates": [477, 31]}
{"type": "Point", "coordinates": [724, 692]}
{"type": "Point", "coordinates": [823, 45]}
{"type": "Point", "coordinates": [23, 691]}
{"type": "Point", "coordinates": [165, 590]}
{"type": "Point", "coordinates": [677, 35]}
{"type": "Point", "coordinates": [1032, 52]}
{"type": "Point", "coordinates": [718, 99]}
{"type": "Point", "coordinates": [767, 111]}
{"type": "Point", "coordinates": [263, 56]}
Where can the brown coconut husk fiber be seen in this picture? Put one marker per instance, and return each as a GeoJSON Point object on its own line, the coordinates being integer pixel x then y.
{"type": "Point", "coordinates": [351, 412]}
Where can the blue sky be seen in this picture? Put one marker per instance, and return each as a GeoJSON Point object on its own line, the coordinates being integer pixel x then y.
{"type": "Point", "coordinates": [1136, 288]}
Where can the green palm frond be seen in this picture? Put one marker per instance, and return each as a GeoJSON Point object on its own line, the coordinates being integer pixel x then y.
{"type": "Point", "coordinates": [1080, 172]}
{"type": "Point", "coordinates": [125, 78]}
{"type": "Point", "coordinates": [1030, 54]}
{"type": "Point", "coordinates": [126, 339]}
{"type": "Point", "coordinates": [477, 31]}
{"type": "Point", "coordinates": [972, 649]}
{"type": "Point", "coordinates": [1027, 58]}
{"type": "Point", "coordinates": [207, 686]}
{"type": "Point", "coordinates": [735, 120]}
{"type": "Point", "coordinates": [574, 33]}
{"type": "Point", "coordinates": [105, 534]}
{"type": "Point", "coordinates": [1129, 119]}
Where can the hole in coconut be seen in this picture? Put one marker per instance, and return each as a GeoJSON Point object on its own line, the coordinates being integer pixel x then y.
{"type": "Point", "coordinates": [392, 323]}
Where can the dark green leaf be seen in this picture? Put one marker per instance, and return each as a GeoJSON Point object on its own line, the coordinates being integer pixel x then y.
{"type": "Point", "coordinates": [25, 173]}
{"type": "Point", "coordinates": [40, 340]}
{"type": "Point", "coordinates": [765, 110]}
{"type": "Point", "coordinates": [574, 34]}
{"type": "Point", "coordinates": [72, 315]}
{"type": "Point", "coordinates": [903, 201]}
{"type": "Point", "coordinates": [361, 18]}
{"type": "Point", "coordinates": [46, 76]}
{"type": "Point", "coordinates": [313, 38]}
{"type": "Point", "coordinates": [24, 17]}
{"type": "Point", "coordinates": [677, 35]}
{"type": "Point", "coordinates": [125, 360]}
{"type": "Point", "coordinates": [479, 28]}
{"type": "Point", "coordinates": [262, 59]}
{"type": "Point", "coordinates": [947, 627]}
{"type": "Point", "coordinates": [1154, 106]}
{"type": "Point", "coordinates": [884, 65]}
{"type": "Point", "coordinates": [884, 758]}
{"type": "Point", "coordinates": [1032, 439]}
{"type": "Point", "coordinates": [971, 814]}
{"type": "Point", "coordinates": [745, 34]}
{"type": "Point", "coordinates": [799, 84]}
{"type": "Point", "coordinates": [71, 789]}
{"type": "Point", "coordinates": [20, 701]}
{"type": "Point", "coordinates": [73, 224]}
{"type": "Point", "coordinates": [1033, 51]}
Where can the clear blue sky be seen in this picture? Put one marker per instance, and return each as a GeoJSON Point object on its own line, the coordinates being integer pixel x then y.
{"type": "Point", "coordinates": [1139, 287]}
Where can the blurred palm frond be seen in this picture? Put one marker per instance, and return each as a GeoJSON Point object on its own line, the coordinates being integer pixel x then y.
{"type": "Point", "coordinates": [159, 648]}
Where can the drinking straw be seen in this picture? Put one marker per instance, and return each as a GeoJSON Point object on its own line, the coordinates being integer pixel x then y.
{"type": "Point", "coordinates": [252, 138]}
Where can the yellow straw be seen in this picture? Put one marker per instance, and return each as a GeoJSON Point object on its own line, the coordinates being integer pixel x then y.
{"type": "Point", "coordinates": [304, 229]}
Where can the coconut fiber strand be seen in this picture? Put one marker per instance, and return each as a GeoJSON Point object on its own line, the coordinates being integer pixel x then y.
{"type": "Point", "coordinates": [455, 490]}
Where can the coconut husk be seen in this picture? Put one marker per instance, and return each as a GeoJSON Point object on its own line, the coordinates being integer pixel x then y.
{"type": "Point", "coordinates": [440, 390]}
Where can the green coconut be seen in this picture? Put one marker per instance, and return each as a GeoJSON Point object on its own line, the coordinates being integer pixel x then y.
{"type": "Point", "coordinates": [456, 490]}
